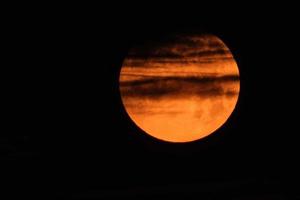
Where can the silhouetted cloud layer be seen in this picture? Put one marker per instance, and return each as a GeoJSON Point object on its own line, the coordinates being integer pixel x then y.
{"type": "Point", "coordinates": [179, 49]}
{"type": "Point", "coordinates": [180, 86]}
{"type": "Point", "coordinates": [174, 66]}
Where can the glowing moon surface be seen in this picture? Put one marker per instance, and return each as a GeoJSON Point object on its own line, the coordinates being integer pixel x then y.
{"type": "Point", "coordinates": [180, 88]}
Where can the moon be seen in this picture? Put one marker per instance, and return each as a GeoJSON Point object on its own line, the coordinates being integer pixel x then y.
{"type": "Point", "coordinates": [180, 88]}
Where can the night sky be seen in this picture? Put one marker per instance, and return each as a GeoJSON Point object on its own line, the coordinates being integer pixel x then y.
{"type": "Point", "coordinates": [68, 135]}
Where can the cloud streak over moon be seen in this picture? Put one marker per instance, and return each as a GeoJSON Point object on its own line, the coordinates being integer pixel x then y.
{"type": "Point", "coordinates": [184, 86]}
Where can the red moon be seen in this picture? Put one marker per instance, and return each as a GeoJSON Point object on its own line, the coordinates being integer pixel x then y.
{"type": "Point", "coordinates": [181, 88]}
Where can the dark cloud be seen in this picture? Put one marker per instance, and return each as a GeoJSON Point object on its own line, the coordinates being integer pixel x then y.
{"type": "Point", "coordinates": [177, 52]}
{"type": "Point", "coordinates": [179, 47]}
{"type": "Point", "coordinates": [191, 79]}
{"type": "Point", "coordinates": [213, 52]}
{"type": "Point", "coordinates": [168, 41]}
{"type": "Point", "coordinates": [188, 54]}
{"type": "Point", "coordinates": [146, 55]}
{"type": "Point", "coordinates": [152, 62]}
{"type": "Point", "coordinates": [179, 86]}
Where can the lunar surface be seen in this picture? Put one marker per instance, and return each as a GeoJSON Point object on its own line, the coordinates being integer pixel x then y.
{"type": "Point", "coordinates": [180, 88]}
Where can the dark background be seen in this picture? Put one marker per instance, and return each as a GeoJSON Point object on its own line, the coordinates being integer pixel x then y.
{"type": "Point", "coordinates": [68, 136]}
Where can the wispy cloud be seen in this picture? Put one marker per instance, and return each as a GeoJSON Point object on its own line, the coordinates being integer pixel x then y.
{"type": "Point", "coordinates": [181, 65]}
{"type": "Point", "coordinates": [156, 87]}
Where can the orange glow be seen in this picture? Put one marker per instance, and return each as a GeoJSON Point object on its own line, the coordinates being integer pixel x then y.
{"type": "Point", "coordinates": [180, 91]}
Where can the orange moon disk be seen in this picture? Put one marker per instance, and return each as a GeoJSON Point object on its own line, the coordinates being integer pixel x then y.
{"type": "Point", "coordinates": [180, 88]}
